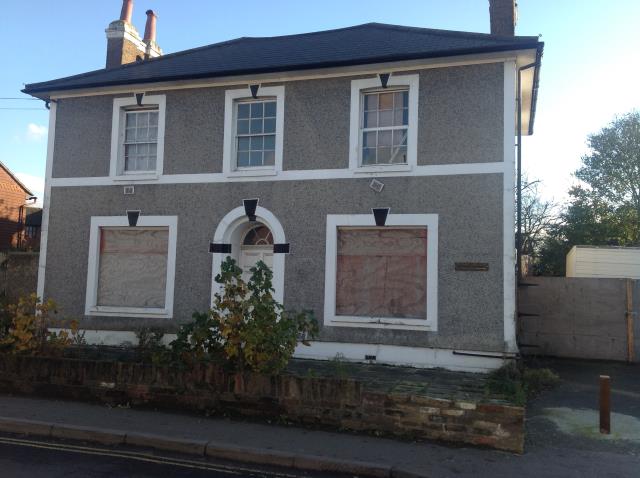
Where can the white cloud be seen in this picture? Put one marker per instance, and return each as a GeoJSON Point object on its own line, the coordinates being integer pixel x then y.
{"type": "Point", "coordinates": [36, 132]}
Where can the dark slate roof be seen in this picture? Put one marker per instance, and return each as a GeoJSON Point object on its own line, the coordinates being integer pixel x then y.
{"type": "Point", "coordinates": [361, 44]}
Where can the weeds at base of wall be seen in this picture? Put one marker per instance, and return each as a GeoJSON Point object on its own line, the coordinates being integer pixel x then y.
{"type": "Point", "coordinates": [518, 383]}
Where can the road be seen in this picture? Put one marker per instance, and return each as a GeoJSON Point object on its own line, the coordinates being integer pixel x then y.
{"type": "Point", "coordinates": [38, 459]}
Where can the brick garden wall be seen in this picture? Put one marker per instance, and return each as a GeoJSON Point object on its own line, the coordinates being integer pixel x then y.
{"type": "Point", "coordinates": [317, 402]}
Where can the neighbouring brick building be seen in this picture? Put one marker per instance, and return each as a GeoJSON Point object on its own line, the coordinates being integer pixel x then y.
{"type": "Point", "coordinates": [14, 211]}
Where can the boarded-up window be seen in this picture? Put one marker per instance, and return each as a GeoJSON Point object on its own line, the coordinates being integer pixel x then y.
{"type": "Point", "coordinates": [382, 272]}
{"type": "Point", "coordinates": [133, 267]}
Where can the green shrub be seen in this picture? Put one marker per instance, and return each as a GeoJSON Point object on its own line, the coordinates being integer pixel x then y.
{"type": "Point", "coordinates": [5, 317]}
{"type": "Point", "coordinates": [246, 329]}
{"type": "Point", "coordinates": [150, 347]}
{"type": "Point", "coordinates": [539, 379]}
{"type": "Point", "coordinates": [197, 341]}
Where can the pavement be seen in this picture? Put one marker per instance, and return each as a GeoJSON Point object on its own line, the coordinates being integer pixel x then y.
{"type": "Point", "coordinates": [562, 438]}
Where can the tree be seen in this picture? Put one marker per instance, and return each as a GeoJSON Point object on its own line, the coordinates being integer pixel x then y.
{"type": "Point", "coordinates": [538, 217]}
{"type": "Point", "coordinates": [605, 209]}
{"type": "Point", "coordinates": [584, 221]}
{"type": "Point", "coordinates": [611, 172]}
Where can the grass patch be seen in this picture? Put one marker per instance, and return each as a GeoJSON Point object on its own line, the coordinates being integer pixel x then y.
{"type": "Point", "coordinates": [517, 383]}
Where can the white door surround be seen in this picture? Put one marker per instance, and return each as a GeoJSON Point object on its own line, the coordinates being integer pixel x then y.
{"type": "Point", "coordinates": [232, 230]}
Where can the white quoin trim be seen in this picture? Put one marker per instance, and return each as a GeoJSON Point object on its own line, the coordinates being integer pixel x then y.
{"type": "Point", "coordinates": [44, 229]}
{"type": "Point", "coordinates": [226, 232]}
{"type": "Point", "coordinates": [509, 256]}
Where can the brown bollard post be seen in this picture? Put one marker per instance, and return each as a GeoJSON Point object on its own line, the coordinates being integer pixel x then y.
{"type": "Point", "coordinates": [605, 404]}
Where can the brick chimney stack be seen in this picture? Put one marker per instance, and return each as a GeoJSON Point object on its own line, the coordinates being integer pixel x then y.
{"type": "Point", "coordinates": [152, 48]}
{"type": "Point", "coordinates": [124, 44]}
{"type": "Point", "coordinates": [127, 11]}
{"type": "Point", "coordinates": [504, 16]}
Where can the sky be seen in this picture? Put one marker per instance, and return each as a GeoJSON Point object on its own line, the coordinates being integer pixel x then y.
{"type": "Point", "coordinates": [589, 74]}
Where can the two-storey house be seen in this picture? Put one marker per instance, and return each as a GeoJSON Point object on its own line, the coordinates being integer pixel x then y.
{"type": "Point", "coordinates": [371, 167]}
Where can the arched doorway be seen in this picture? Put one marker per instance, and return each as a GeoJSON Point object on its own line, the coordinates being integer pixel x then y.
{"type": "Point", "coordinates": [251, 241]}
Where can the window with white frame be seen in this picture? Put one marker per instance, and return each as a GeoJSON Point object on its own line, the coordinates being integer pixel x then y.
{"type": "Point", "coordinates": [131, 269]}
{"type": "Point", "coordinates": [384, 127]}
{"type": "Point", "coordinates": [140, 140]}
{"type": "Point", "coordinates": [382, 277]}
{"type": "Point", "coordinates": [137, 142]}
{"type": "Point", "coordinates": [253, 130]}
{"type": "Point", "coordinates": [255, 133]}
{"type": "Point", "coordinates": [383, 131]}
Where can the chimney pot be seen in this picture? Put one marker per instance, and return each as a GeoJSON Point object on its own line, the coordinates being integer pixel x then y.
{"type": "Point", "coordinates": [127, 11]}
{"type": "Point", "coordinates": [503, 17]}
{"type": "Point", "coordinates": [150, 27]}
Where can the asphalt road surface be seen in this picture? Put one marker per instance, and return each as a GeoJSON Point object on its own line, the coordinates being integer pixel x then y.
{"type": "Point", "coordinates": [36, 459]}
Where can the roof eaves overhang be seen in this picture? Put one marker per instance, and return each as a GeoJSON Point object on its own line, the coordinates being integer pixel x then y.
{"type": "Point", "coordinates": [530, 80]}
{"type": "Point", "coordinates": [535, 86]}
{"type": "Point", "coordinates": [47, 90]}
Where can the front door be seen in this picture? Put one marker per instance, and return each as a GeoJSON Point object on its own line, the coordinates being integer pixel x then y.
{"type": "Point", "coordinates": [250, 255]}
{"type": "Point", "coordinates": [256, 246]}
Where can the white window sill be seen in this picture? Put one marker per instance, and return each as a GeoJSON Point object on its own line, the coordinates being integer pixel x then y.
{"type": "Point", "coordinates": [252, 172]}
{"type": "Point", "coordinates": [382, 323]}
{"type": "Point", "coordinates": [141, 312]}
{"type": "Point", "coordinates": [137, 177]}
{"type": "Point", "coordinates": [383, 168]}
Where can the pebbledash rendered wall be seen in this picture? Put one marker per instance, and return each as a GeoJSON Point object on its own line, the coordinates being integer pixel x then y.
{"type": "Point", "coordinates": [461, 115]}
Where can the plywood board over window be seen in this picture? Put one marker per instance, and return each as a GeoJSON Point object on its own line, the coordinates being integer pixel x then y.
{"type": "Point", "coordinates": [133, 267]}
{"type": "Point", "coordinates": [131, 270]}
{"type": "Point", "coordinates": [382, 277]}
{"type": "Point", "coordinates": [382, 272]}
